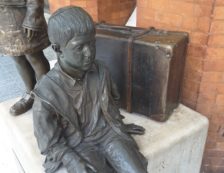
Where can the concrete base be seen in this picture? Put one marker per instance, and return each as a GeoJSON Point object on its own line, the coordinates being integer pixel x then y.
{"type": "Point", "coordinates": [19, 131]}
{"type": "Point", "coordinates": [175, 146]}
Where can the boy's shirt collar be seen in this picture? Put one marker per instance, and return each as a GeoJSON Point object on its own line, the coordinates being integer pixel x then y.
{"type": "Point", "coordinates": [67, 79]}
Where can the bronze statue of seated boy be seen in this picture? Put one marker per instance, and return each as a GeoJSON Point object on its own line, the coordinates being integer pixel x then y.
{"type": "Point", "coordinates": [76, 120]}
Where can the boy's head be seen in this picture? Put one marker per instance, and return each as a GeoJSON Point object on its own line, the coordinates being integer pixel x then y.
{"type": "Point", "coordinates": [68, 22]}
{"type": "Point", "coordinates": [71, 30]}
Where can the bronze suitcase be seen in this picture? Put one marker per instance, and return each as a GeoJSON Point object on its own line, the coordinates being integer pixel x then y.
{"type": "Point", "coordinates": [147, 66]}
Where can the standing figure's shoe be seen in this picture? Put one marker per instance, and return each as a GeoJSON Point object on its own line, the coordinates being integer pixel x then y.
{"type": "Point", "coordinates": [23, 105]}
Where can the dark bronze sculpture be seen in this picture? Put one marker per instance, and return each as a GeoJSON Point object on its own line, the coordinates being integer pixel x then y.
{"type": "Point", "coordinates": [23, 36]}
{"type": "Point", "coordinates": [76, 120]}
{"type": "Point", "coordinates": [149, 66]}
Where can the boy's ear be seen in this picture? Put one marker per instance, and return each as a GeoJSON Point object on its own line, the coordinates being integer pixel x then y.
{"type": "Point", "coordinates": [56, 48]}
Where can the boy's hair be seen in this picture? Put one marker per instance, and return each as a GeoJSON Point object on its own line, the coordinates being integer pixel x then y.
{"type": "Point", "coordinates": [68, 22]}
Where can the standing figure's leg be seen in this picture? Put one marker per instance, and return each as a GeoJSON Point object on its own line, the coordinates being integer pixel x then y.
{"type": "Point", "coordinates": [39, 63]}
{"type": "Point", "coordinates": [28, 76]}
{"type": "Point", "coordinates": [124, 157]}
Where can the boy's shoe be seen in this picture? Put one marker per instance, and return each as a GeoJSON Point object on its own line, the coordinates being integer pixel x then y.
{"type": "Point", "coordinates": [23, 105]}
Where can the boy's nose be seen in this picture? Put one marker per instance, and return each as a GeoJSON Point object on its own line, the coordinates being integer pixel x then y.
{"type": "Point", "coordinates": [87, 51]}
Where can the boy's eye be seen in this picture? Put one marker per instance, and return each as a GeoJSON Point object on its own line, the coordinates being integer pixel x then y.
{"type": "Point", "coordinates": [79, 48]}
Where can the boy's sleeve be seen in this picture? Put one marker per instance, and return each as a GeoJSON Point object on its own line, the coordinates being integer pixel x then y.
{"type": "Point", "coordinates": [34, 18]}
{"type": "Point", "coordinates": [114, 91]}
{"type": "Point", "coordinates": [48, 133]}
{"type": "Point", "coordinates": [115, 96]}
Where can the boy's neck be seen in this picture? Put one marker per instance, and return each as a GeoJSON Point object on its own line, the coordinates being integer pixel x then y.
{"type": "Point", "coordinates": [72, 72]}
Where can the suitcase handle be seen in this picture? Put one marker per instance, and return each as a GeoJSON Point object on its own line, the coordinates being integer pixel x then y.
{"type": "Point", "coordinates": [124, 29]}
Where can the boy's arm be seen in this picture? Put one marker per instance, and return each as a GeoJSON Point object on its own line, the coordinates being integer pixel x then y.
{"type": "Point", "coordinates": [129, 128]}
{"type": "Point", "coordinates": [47, 131]}
{"type": "Point", "coordinates": [34, 19]}
{"type": "Point", "coordinates": [51, 141]}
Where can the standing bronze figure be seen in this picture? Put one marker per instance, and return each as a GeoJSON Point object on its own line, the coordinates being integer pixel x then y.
{"type": "Point", "coordinates": [23, 36]}
{"type": "Point", "coordinates": [76, 120]}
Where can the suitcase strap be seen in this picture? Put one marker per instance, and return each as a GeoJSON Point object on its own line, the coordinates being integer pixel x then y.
{"type": "Point", "coordinates": [130, 58]}
{"type": "Point", "coordinates": [125, 29]}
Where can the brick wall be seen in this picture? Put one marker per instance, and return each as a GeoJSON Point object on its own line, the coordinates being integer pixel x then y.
{"type": "Point", "coordinates": [192, 16]}
{"type": "Point", "coordinates": [89, 5]}
{"type": "Point", "coordinates": [115, 11]}
{"type": "Point", "coordinates": [211, 93]}
{"type": "Point", "coordinates": [111, 11]}
{"type": "Point", "coordinates": [203, 85]}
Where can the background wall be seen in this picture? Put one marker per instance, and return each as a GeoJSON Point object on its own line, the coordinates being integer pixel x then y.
{"type": "Point", "coordinates": [112, 11]}
{"type": "Point", "coordinates": [115, 11]}
{"type": "Point", "coordinates": [90, 5]}
{"type": "Point", "coordinates": [203, 84]}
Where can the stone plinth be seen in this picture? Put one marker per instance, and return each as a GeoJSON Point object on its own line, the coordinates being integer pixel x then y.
{"type": "Point", "coordinates": [175, 146]}
{"type": "Point", "coordinates": [20, 134]}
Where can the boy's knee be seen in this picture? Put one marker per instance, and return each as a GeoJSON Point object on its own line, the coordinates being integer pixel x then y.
{"type": "Point", "coordinates": [119, 151]}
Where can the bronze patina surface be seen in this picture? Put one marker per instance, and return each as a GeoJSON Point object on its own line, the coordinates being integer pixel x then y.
{"type": "Point", "coordinates": [23, 36]}
{"type": "Point", "coordinates": [76, 119]}
{"type": "Point", "coordinates": [146, 64]}
{"type": "Point", "coordinates": [15, 15]}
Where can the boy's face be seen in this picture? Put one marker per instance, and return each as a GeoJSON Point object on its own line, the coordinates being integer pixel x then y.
{"type": "Point", "coordinates": [79, 53]}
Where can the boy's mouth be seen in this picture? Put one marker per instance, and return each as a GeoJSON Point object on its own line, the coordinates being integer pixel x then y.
{"type": "Point", "coordinates": [87, 64]}
{"type": "Point", "coordinates": [89, 61]}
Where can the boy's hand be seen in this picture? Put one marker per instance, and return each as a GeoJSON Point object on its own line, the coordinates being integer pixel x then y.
{"type": "Point", "coordinates": [134, 129]}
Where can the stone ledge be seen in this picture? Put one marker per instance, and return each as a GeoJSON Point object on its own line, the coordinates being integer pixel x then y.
{"type": "Point", "coordinates": [175, 146]}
